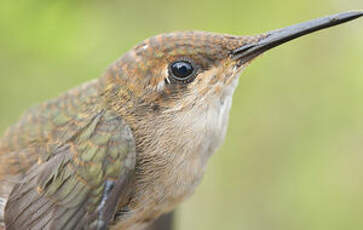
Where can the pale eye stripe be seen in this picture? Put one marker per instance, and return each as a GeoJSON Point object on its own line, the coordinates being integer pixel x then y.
{"type": "Point", "coordinates": [160, 86]}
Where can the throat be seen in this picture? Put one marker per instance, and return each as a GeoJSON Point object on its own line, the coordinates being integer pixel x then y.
{"type": "Point", "coordinates": [177, 147]}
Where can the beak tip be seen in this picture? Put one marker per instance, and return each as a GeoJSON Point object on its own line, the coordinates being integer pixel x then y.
{"type": "Point", "coordinates": [277, 37]}
{"type": "Point", "coordinates": [349, 15]}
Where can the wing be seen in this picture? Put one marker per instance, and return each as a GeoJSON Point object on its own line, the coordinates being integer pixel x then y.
{"type": "Point", "coordinates": [78, 180]}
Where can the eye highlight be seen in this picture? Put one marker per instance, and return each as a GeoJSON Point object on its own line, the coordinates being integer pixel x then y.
{"type": "Point", "coordinates": [182, 71]}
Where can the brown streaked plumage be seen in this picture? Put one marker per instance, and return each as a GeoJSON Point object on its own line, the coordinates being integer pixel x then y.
{"type": "Point", "coordinates": [121, 150]}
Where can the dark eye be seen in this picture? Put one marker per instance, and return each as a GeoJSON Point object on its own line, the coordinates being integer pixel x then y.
{"type": "Point", "coordinates": [182, 71]}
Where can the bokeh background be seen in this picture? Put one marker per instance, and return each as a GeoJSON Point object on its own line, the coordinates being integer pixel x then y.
{"type": "Point", "coordinates": [293, 157]}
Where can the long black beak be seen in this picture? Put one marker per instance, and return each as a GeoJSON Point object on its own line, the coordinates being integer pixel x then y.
{"type": "Point", "coordinates": [280, 36]}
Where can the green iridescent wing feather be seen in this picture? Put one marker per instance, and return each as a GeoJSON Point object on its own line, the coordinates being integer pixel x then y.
{"type": "Point", "coordinates": [79, 158]}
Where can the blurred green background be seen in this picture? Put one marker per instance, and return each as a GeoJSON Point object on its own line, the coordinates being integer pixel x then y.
{"type": "Point", "coordinates": [294, 150]}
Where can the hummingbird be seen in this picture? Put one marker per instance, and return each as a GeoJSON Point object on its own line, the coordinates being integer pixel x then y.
{"type": "Point", "coordinates": [121, 150]}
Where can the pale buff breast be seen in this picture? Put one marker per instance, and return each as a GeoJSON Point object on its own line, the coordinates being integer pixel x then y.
{"type": "Point", "coordinates": [191, 138]}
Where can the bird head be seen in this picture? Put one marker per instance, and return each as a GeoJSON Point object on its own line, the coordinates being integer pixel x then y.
{"type": "Point", "coordinates": [186, 70]}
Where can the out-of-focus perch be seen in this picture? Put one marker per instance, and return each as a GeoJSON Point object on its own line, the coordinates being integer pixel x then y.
{"type": "Point", "coordinates": [165, 222]}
